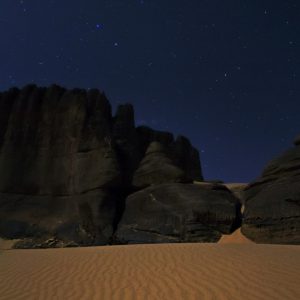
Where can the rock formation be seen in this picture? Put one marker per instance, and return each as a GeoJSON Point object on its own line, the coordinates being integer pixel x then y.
{"type": "Point", "coordinates": [58, 164]}
{"type": "Point", "coordinates": [177, 212]}
{"type": "Point", "coordinates": [238, 189]}
{"type": "Point", "coordinates": [181, 152]}
{"type": "Point", "coordinates": [156, 168]}
{"type": "Point", "coordinates": [66, 164]}
{"type": "Point", "coordinates": [272, 208]}
{"type": "Point", "coordinates": [126, 142]}
{"type": "Point", "coordinates": [73, 174]}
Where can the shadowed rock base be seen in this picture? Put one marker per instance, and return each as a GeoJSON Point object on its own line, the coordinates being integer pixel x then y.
{"type": "Point", "coordinates": [272, 209]}
{"type": "Point", "coordinates": [170, 213]}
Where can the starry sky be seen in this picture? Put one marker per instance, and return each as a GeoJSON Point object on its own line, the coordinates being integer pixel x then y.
{"type": "Point", "coordinates": [223, 73]}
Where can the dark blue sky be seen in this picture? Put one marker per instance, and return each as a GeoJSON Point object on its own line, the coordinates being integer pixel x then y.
{"type": "Point", "coordinates": [223, 73]}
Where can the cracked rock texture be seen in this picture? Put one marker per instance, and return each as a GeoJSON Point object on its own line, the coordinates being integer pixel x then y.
{"type": "Point", "coordinates": [272, 207]}
{"type": "Point", "coordinates": [176, 212]}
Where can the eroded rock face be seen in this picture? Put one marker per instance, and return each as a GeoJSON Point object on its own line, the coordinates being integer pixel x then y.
{"type": "Point", "coordinates": [66, 165]}
{"type": "Point", "coordinates": [180, 151]}
{"type": "Point", "coordinates": [272, 209]}
{"type": "Point", "coordinates": [126, 140]}
{"type": "Point", "coordinates": [178, 213]}
{"type": "Point", "coordinates": [187, 158]}
{"type": "Point", "coordinates": [57, 142]}
{"type": "Point", "coordinates": [157, 168]}
{"type": "Point", "coordinates": [57, 164]}
{"type": "Point", "coordinates": [238, 189]}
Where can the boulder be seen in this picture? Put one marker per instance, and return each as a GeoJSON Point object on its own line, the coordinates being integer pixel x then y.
{"type": "Point", "coordinates": [272, 202]}
{"type": "Point", "coordinates": [178, 212]}
{"type": "Point", "coordinates": [156, 168]}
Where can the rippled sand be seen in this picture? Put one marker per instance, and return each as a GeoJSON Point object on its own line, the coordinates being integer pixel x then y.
{"type": "Point", "coordinates": [168, 271]}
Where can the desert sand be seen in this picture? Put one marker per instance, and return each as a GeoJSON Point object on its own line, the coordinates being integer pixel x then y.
{"type": "Point", "coordinates": [235, 238]}
{"type": "Point", "coordinates": [235, 268]}
{"type": "Point", "coordinates": [7, 244]}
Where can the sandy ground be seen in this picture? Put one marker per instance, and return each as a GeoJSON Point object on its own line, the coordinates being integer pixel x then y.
{"type": "Point", "coordinates": [7, 244]}
{"type": "Point", "coordinates": [235, 238]}
{"type": "Point", "coordinates": [233, 269]}
{"type": "Point", "coordinates": [234, 185]}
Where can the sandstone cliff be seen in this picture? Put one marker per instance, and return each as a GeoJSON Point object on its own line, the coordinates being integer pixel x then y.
{"type": "Point", "coordinates": [67, 164]}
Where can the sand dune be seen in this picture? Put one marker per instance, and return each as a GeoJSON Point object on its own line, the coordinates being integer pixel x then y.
{"type": "Point", "coordinates": [168, 271]}
{"type": "Point", "coordinates": [235, 238]}
{"type": "Point", "coordinates": [7, 244]}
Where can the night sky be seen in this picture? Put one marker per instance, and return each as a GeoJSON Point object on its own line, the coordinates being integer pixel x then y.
{"type": "Point", "coordinates": [224, 73]}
